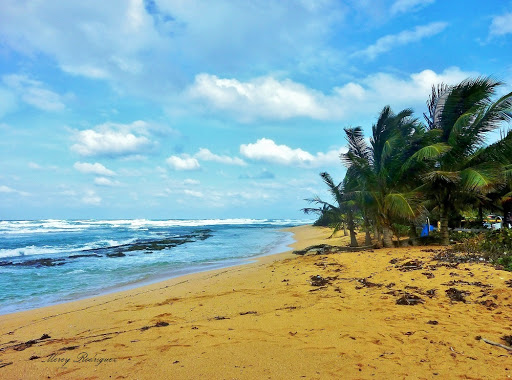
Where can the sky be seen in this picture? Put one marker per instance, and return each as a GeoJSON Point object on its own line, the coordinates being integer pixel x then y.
{"type": "Point", "coordinates": [168, 109]}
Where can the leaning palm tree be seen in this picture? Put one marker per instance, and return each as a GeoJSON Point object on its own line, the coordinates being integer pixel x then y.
{"type": "Point", "coordinates": [342, 208]}
{"type": "Point", "coordinates": [375, 171]}
{"type": "Point", "coordinates": [460, 167]}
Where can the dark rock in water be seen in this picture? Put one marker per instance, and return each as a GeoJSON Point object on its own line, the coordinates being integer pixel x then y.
{"type": "Point", "coordinates": [145, 246]}
{"type": "Point", "coordinates": [37, 263]}
{"type": "Point", "coordinates": [86, 255]}
{"type": "Point", "coordinates": [41, 262]}
{"type": "Point", "coordinates": [116, 254]}
{"type": "Point", "coordinates": [154, 245]}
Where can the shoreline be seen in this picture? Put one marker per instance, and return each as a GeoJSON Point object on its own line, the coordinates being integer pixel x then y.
{"type": "Point", "coordinates": [173, 273]}
{"type": "Point", "coordinates": [267, 319]}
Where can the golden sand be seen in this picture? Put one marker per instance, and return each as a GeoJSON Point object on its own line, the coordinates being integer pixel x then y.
{"type": "Point", "coordinates": [266, 320]}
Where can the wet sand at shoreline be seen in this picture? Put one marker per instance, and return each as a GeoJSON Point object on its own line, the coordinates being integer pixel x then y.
{"type": "Point", "coordinates": [282, 317]}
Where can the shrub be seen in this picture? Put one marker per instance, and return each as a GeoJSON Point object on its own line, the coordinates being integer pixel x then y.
{"type": "Point", "coordinates": [494, 246]}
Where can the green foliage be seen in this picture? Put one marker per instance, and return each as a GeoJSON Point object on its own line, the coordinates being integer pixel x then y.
{"type": "Point", "coordinates": [506, 262]}
{"type": "Point", "coordinates": [460, 236]}
{"type": "Point", "coordinates": [325, 219]}
{"type": "Point", "coordinates": [407, 170]}
{"type": "Point", "coordinates": [400, 229]}
{"type": "Point", "coordinates": [494, 246]}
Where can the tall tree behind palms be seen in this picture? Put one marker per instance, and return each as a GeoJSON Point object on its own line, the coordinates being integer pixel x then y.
{"type": "Point", "coordinates": [375, 171]}
{"type": "Point", "coordinates": [461, 167]}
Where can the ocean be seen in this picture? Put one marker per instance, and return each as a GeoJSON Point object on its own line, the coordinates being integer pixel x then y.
{"type": "Point", "coordinates": [44, 262]}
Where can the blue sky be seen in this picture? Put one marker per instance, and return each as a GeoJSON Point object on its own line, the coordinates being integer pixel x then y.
{"type": "Point", "coordinates": [214, 109]}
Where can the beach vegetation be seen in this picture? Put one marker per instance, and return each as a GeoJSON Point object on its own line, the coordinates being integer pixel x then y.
{"type": "Point", "coordinates": [408, 170]}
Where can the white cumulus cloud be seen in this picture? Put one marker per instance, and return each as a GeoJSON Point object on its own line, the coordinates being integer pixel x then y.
{"type": "Point", "coordinates": [118, 40]}
{"type": "Point", "coordinates": [347, 102]}
{"type": "Point", "coordinates": [96, 168]}
{"type": "Point", "coordinates": [268, 151]}
{"type": "Point", "coordinates": [391, 41]}
{"type": "Point", "coordinates": [183, 162]}
{"type": "Point", "coordinates": [112, 140]}
{"type": "Point", "coordinates": [501, 25]}
{"type": "Point", "coordinates": [264, 97]}
{"type": "Point", "coordinates": [206, 155]}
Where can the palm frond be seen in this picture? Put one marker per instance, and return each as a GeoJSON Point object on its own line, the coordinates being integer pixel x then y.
{"type": "Point", "coordinates": [442, 176]}
{"type": "Point", "coordinates": [429, 152]}
{"type": "Point", "coordinates": [482, 178]}
{"type": "Point", "coordinates": [397, 204]}
{"type": "Point", "coordinates": [435, 105]}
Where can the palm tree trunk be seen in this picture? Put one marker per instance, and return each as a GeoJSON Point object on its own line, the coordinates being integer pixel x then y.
{"type": "Point", "coordinates": [351, 228]}
{"type": "Point", "coordinates": [480, 213]}
{"type": "Point", "coordinates": [377, 236]}
{"type": "Point", "coordinates": [445, 237]}
{"type": "Point", "coordinates": [387, 237]}
{"type": "Point", "coordinates": [345, 229]}
{"type": "Point", "coordinates": [413, 234]}
{"type": "Point", "coordinates": [367, 237]}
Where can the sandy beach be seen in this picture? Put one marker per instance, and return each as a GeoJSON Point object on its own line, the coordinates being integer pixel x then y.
{"type": "Point", "coordinates": [347, 315]}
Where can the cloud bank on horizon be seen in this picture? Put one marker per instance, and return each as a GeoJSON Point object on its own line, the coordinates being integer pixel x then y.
{"type": "Point", "coordinates": [170, 109]}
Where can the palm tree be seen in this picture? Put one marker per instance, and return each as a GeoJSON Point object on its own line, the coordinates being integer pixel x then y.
{"type": "Point", "coordinates": [342, 206]}
{"type": "Point", "coordinates": [375, 172]}
{"type": "Point", "coordinates": [459, 167]}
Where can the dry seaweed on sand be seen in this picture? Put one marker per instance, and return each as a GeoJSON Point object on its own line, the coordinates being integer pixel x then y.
{"type": "Point", "coordinates": [317, 280]}
{"type": "Point", "coordinates": [457, 295]}
{"type": "Point", "coordinates": [367, 284]}
{"type": "Point", "coordinates": [409, 299]}
{"type": "Point", "coordinates": [410, 265]}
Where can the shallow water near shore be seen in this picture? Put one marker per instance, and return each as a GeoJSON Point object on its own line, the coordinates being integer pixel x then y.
{"type": "Point", "coordinates": [46, 262]}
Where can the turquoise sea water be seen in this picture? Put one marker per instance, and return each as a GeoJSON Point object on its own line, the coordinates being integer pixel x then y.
{"type": "Point", "coordinates": [44, 262]}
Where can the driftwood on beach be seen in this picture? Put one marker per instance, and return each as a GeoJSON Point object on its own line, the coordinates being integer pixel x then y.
{"type": "Point", "coordinates": [323, 249]}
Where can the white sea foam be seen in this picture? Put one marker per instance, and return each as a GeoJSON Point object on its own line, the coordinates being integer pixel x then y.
{"type": "Point", "coordinates": [57, 225]}
{"type": "Point", "coordinates": [29, 250]}
{"type": "Point", "coordinates": [46, 250]}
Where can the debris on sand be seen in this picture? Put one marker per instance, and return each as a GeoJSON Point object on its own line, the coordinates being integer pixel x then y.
{"type": "Point", "coordinates": [457, 295]}
{"type": "Point", "coordinates": [409, 299]}
{"type": "Point", "coordinates": [318, 280]}
{"type": "Point", "coordinates": [508, 339]}
{"type": "Point", "coordinates": [325, 249]}
{"type": "Point", "coordinates": [410, 265]}
{"type": "Point", "coordinates": [489, 304]}
{"type": "Point", "coordinates": [158, 324]}
{"type": "Point", "coordinates": [367, 284]}
{"type": "Point", "coordinates": [429, 275]}
{"type": "Point", "coordinates": [462, 282]}
{"type": "Point", "coordinates": [220, 318]}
